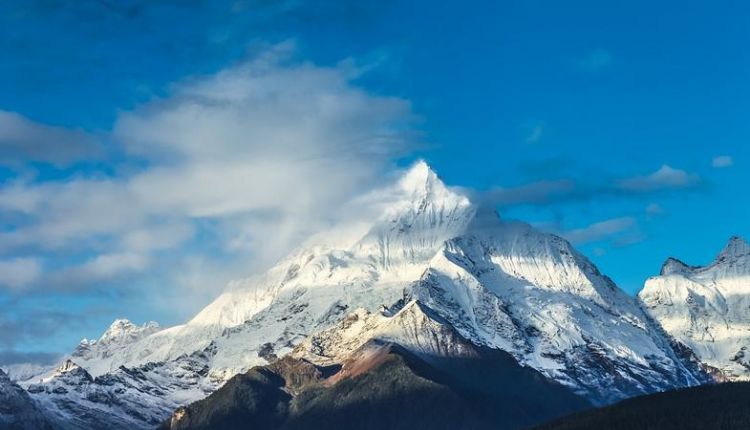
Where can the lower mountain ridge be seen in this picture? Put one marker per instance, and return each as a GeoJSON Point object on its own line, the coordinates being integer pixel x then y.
{"type": "Point", "coordinates": [721, 406]}
{"type": "Point", "coordinates": [383, 385]}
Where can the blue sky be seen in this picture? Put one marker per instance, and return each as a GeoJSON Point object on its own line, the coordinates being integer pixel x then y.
{"type": "Point", "coordinates": [621, 126]}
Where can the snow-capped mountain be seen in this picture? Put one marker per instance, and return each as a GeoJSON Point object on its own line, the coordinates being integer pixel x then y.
{"type": "Point", "coordinates": [138, 397]}
{"type": "Point", "coordinates": [508, 286]}
{"type": "Point", "coordinates": [498, 284]}
{"type": "Point", "coordinates": [99, 354]}
{"type": "Point", "coordinates": [316, 285]}
{"type": "Point", "coordinates": [706, 308]}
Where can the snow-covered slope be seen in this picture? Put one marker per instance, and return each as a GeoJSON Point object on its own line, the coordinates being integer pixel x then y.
{"type": "Point", "coordinates": [316, 285]}
{"type": "Point", "coordinates": [17, 410]}
{"type": "Point", "coordinates": [511, 287]}
{"type": "Point", "coordinates": [498, 284]}
{"type": "Point", "coordinates": [98, 355]}
{"type": "Point", "coordinates": [707, 308]}
{"type": "Point", "coordinates": [413, 326]}
{"type": "Point", "coordinates": [128, 398]}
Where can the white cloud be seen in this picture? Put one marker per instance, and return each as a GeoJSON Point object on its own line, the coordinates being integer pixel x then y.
{"type": "Point", "coordinates": [250, 160]}
{"type": "Point", "coordinates": [665, 178]}
{"type": "Point", "coordinates": [97, 271]}
{"type": "Point", "coordinates": [18, 273]}
{"type": "Point", "coordinates": [722, 161]}
{"type": "Point", "coordinates": [601, 230]}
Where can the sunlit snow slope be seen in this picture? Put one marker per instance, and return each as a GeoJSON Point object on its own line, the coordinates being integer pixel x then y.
{"type": "Point", "coordinates": [707, 308]}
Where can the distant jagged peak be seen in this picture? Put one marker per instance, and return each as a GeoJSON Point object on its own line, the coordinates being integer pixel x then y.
{"type": "Point", "coordinates": [67, 372]}
{"type": "Point", "coordinates": [124, 328]}
{"type": "Point", "coordinates": [673, 266]}
{"type": "Point", "coordinates": [69, 369]}
{"type": "Point", "coordinates": [67, 366]}
{"type": "Point", "coordinates": [119, 326]}
{"type": "Point", "coordinates": [735, 248]}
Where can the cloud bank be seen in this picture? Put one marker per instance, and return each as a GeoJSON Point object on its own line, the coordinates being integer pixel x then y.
{"type": "Point", "coordinates": [218, 179]}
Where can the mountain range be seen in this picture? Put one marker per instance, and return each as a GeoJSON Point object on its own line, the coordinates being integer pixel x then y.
{"type": "Point", "coordinates": [423, 299]}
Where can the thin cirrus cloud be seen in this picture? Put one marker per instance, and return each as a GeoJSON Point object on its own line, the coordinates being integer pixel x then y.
{"type": "Point", "coordinates": [601, 230]}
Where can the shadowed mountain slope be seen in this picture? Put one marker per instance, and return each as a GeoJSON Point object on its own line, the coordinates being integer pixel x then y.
{"type": "Point", "coordinates": [383, 386]}
{"type": "Point", "coordinates": [718, 406]}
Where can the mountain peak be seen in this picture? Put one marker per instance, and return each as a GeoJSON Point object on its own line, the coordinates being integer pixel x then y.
{"type": "Point", "coordinates": [673, 266]}
{"type": "Point", "coordinates": [67, 366]}
{"type": "Point", "coordinates": [121, 324]}
{"type": "Point", "coordinates": [122, 329]}
{"type": "Point", "coordinates": [422, 187]}
{"type": "Point", "coordinates": [69, 370]}
{"type": "Point", "coordinates": [735, 248]}
{"type": "Point", "coordinates": [420, 178]}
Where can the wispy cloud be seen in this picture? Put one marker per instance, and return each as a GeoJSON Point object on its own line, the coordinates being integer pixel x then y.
{"type": "Point", "coordinates": [535, 133]}
{"type": "Point", "coordinates": [540, 192]}
{"type": "Point", "coordinates": [18, 328]}
{"type": "Point", "coordinates": [654, 209]}
{"type": "Point", "coordinates": [596, 60]}
{"type": "Point", "coordinates": [601, 230]}
{"type": "Point", "coordinates": [665, 177]}
{"type": "Point", "coordinates": [722, 161]}
{"type": "Point", "coordinates": [548, 192]}
{"type": "Point", "coordinates": [9, 356]}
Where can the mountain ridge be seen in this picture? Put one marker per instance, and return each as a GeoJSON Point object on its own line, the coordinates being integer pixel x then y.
{"type": "Point", "coordinates": [704, 308]}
